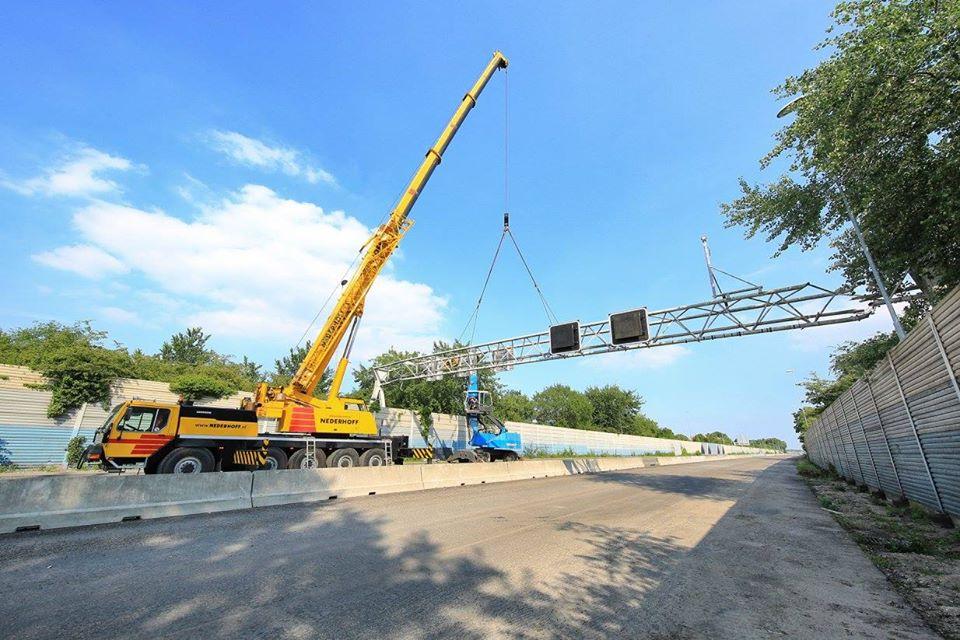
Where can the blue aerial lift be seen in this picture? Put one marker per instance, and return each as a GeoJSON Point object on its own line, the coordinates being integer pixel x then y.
{"type": "Point", "coordinates": [490, 440]}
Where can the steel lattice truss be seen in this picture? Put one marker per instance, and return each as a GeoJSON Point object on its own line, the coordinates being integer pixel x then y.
{"type": "Point", "coordinates": [738, 313]}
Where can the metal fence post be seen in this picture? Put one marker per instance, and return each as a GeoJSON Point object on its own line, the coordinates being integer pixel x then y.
{"type": "Point", "coordinates": [836, 450]}
{"type": "Point", "coordinates": [873, 461]}
{"type": "Point", "coordinates": [896, 474]}
{"type": "Point", "coordinates": [916, 435]}
{"type": "Point", "coordinates": [943, 354]}
{"type": "Point", "coordinates": [856, 454]}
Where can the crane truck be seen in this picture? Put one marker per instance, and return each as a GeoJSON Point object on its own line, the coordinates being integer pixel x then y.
{"type": "Point", "coordinates": [284, 426]}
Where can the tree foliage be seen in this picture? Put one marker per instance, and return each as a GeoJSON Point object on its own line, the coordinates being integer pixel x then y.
{"type": "Point", "coordinates": [769, 443]}
{"type": "Point", "coordinates": [614, 409]}
{"type": "Point", "coordinates": [74, 361]}
{"type": "Point", "coordinates": [849, 362]}
{"type": "Point", "coordinates": [562, 406]}
{"type": "Point", "coordinates": [514, 406]}
{"type": "Point", "coordinates": [423, 396]}
{"type": "Point", "coordinates": [187, 347]}
{"type": "Point", "coordinates": [877, 127]}
{"type": "Point", "coordinates": [193, 386]}
{"type": "Point", "coordinates": [287, 366]}
{"type": "Point", "coordinates": [716, 437]}
{"type": "Point", "coordinates": [80, 369]}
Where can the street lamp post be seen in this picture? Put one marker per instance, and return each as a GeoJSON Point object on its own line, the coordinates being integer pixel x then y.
{"type": "Point", "coordinates": [790, 107]}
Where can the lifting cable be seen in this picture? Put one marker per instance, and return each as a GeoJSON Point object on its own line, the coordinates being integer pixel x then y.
{"type": "Point", "coordinates": [548, 311]}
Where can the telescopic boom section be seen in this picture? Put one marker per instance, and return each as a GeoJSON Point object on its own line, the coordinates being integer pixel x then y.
{"type": "Point", "coordinates": [349, 307]}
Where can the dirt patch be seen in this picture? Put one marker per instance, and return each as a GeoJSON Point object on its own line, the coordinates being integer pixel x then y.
{"type": "Point", "coordinates": [919, 556]}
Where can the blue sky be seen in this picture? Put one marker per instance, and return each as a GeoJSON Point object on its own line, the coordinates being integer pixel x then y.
{"type": "Point", "coordinates": [162, 167]}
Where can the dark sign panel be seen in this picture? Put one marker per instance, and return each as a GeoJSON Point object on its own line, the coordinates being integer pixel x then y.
{"type": "Point", "coordinates": [629, 326]}
{"type": "Point", "coordinates": [565, 337]}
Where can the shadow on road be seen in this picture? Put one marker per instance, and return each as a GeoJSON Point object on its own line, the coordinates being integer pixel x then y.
{"type": "Point", "coordinates": [332, 571]}
{"type": "Point", "coordinates": [674, 480]}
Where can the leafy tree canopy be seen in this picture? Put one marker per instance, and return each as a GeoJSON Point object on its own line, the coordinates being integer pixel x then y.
{"type": "Point", "coordinates": [188, 347]}
{"type": "Point", "coordinates": [80, 368]}
{"type": "Point", "coordinates": [877, 127]}
{"type": "Point", "coordinates": [769, 443]}
{"type": "Point", "coordinates": [716, 437]}
{"type": "Point", "coordinates": [423, 396]}
{"type": "Point", "coordinates": [514, 406]}
{"type": "Point", "coordinates": [193, 386]}
{"type": "Point", "coordinates": [562, 406]}
{"type": "Point", "coordinates": [614, 409]}
{"type": "Point", "coordinates": [286, 367]}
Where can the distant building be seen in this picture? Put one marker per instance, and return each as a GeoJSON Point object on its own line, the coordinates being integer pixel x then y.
{"type": "Point", "coordinates": [742, 440]}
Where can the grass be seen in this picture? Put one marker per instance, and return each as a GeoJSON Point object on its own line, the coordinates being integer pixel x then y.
{"type": "Point", "coordinates": [827, 503]}
{"type": "Point", "coordinates": [43, 468]}
{"type": "Point", "coordinates": [808, 470]}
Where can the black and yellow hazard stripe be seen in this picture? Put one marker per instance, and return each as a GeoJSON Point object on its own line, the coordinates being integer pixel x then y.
{"type": "Point", "coordinates": [252, 457]}
{"type": "Point", "coordinates": [426, 454]}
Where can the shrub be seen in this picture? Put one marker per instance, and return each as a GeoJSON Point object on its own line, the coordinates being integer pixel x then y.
{"type": "Point", "coordinates": [75, 450]}
{"type": "Point", "coordinates": [193, 386]}
{"type": "Point", "coordinates": [807, 469]}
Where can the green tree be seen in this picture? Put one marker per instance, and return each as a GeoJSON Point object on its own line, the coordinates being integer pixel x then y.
{"type": "Point", "coordinates": [287, 366]}
{"type": "Point", "coordinates": [250, 370]}
{"type": "Point", "coordinates": [423, 396]}
{"type": "Point", "coordinates": [561, 406]}
{"type": "Point", "coordinates": [717, 437]}
{"type": "Point", "coordinates": [769, 443]}
{"type": "Point", "coordinates": [849, 362]}
{"type": "Point", "coordinates": [878, 127]}
{"type": "Point", "coordinates": [189, 347]}
{"type": "Point", "coordinates": [194, 386]}
{"type": "Point", "coordinates": [664, 432]}
{"type": "Point", "coordinates": [643, 425]}
{"type": "Point", "coordinates": [514, 406]}
{"type": "Point", "coordinates": [72, 358]}
{"type": "Point", "coordinates": [615, 409]}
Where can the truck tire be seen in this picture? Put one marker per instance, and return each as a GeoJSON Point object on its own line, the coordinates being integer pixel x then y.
{"type": "Point", "coordinates": [276, 459]}
{"type": "Point", "coordinates": [188, 460]}
{"type": "Point", "coordinates": [299, 459]}
{"type": "Point", "coordinates": [509, 456]}
{"type": "Point", "coordinates": [344, 458]}
{"type": "Point", "coordinates": [375, 457]}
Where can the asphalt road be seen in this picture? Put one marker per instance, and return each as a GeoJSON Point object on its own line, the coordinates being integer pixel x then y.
{"type": "Point", "coordinates": [725, 549]}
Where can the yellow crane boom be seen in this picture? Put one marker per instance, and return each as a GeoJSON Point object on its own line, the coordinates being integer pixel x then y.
{"type": "Point", "coordinates": [349, 307]}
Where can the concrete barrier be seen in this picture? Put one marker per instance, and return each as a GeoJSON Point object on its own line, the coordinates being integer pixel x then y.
{"type": "Point", "coordinates": [48, 502]}
{"type": "Point", "coordinates": [311, 485]}
{"type": "Point", "coordinates": [436, 476]}
{"type": "Point", "coordinates": [67, 501]}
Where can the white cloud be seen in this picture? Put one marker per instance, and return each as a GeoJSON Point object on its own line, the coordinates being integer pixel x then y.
{"type": "Point", "coordinates": [84, 260]}
{"type": "Point", "coordinates": [639, 359]}
{"type": "Point", "coordinates": [256, 153]}
{"type": "Point", "coordinates": [254, 265]}
{"type": "Point", "coordinates": [76, 174]}
{"type": "Point", "coordinates": [118, 315]}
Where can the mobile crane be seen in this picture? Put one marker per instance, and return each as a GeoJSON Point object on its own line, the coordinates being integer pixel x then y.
{"type": "Point", "coordinates": [285, 426]}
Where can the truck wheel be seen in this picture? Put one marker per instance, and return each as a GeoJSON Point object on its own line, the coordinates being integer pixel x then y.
{"type": "Point", "coordinates": [510, 456]}
{"type": "Point", "coordinates": [188, 460]}
{"type": "Point", "coordinates": [343, 458]}
{"type": "Point", "coordinates": [376, 457]}
{"type": "Point", "coordinates": [276, 459]}
{"type": "Point", "coordinates": [299, 459]}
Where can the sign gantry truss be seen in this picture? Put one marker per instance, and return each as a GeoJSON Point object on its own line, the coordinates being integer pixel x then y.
{"type": "Point", "coordinates": [743, 312]}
